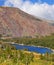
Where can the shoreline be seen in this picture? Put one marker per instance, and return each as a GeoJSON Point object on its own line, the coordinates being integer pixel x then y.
{"type": "Point", "coordinates": [34, 46]}
{"type": "Point", "coordinates": [30, 45]}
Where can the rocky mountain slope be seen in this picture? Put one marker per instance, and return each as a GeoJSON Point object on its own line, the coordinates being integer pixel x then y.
{"type": "Point", "coordinates": [17, 23]}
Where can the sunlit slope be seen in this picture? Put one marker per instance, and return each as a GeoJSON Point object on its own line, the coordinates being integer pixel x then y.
{"type": "Point", "coordinates": [17, 23]}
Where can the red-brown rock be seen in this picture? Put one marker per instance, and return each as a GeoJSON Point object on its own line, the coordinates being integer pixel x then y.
{"type": "Point", "coordinates": [17, 23]}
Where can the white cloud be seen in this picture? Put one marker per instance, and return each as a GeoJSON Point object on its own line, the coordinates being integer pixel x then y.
{"type": "Point", "coordinates": [42, 10]}
{"type": "Point", "coordinates": [15, 3]}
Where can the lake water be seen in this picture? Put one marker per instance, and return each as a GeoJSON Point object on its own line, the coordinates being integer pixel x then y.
{"type": "Point", "coordinates": [41, 50]}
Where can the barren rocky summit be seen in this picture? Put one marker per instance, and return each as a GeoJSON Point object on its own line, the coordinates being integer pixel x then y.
{"type": "Point", "coordinates": [17, 23]}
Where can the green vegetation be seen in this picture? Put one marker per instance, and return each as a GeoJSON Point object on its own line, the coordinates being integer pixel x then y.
{"type": "Point", "coordinates": [47, 41]}
{"type": "Point", "coordinates": [0, 36]}
{"type": "Point", "coordinates": [9, 56]}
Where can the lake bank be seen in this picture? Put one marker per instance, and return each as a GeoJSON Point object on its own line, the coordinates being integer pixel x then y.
{"type": "Point", "coordinates": [34, 46]}
{"type": "Point", "coordinates": [37, 49]}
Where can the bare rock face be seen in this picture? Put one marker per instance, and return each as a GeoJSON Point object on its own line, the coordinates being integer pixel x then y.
{"type": "Point", "coordinates": [17, 23]}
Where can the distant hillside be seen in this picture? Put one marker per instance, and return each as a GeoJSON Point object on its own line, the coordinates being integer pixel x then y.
{"type": "Point", "coordinates": [17, 23]}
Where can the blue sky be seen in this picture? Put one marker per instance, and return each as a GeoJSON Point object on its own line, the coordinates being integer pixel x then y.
{"type": "Point", "coordinates": [47, 1]}
{"type": "Point", "coordinates": [39, 8]}
{"type": "Point", "coordinates": [2, 2]}
{"type": "Point", "coordinates": [33, 1]}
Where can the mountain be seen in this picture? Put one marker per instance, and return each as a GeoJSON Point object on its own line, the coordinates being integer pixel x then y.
{"type": "Point", "coordinates": [17, 23]}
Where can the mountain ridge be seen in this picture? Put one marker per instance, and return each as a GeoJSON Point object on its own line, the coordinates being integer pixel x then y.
{"type": "Point", "coordinates": [17, 23]}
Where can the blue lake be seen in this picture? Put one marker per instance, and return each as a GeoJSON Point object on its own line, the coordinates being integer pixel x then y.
{"type": "Point", "coordinates": [41, 50]}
